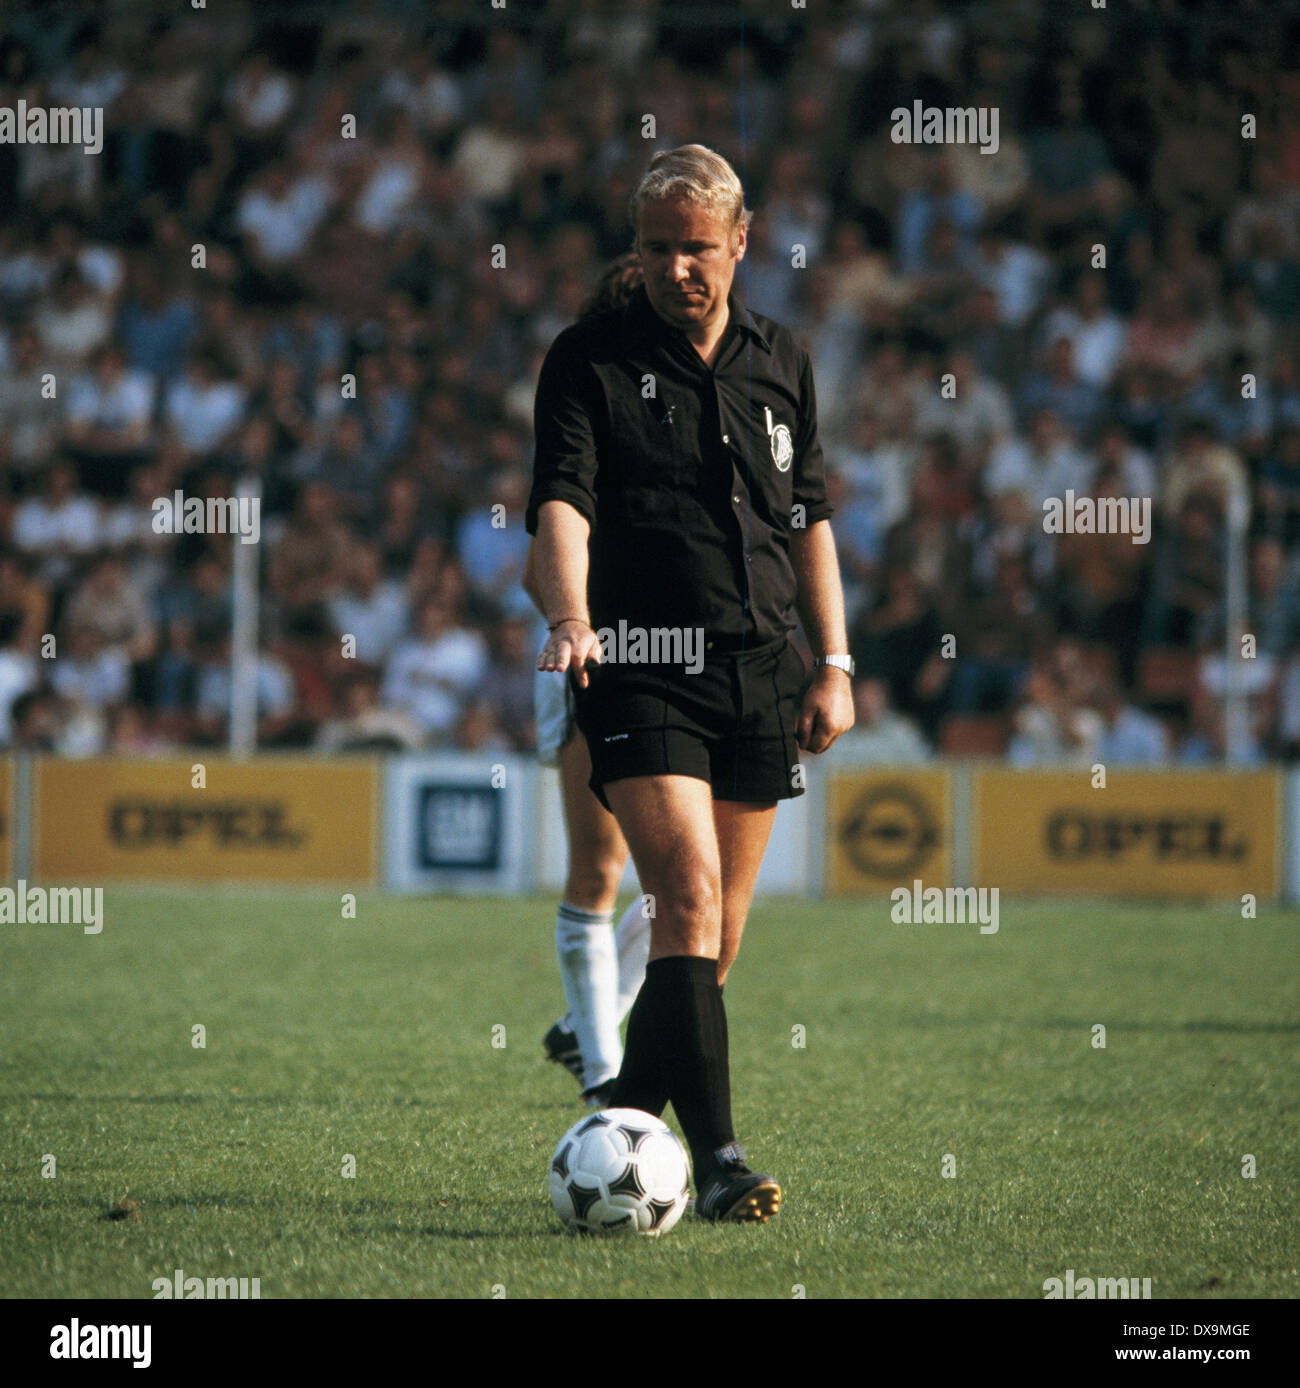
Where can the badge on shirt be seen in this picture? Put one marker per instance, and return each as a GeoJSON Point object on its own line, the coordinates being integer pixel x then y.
{"type": "Point", "coordinates": [781, 442]}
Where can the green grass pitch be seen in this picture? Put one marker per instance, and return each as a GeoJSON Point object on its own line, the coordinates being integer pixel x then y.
{"type": "Point", "coordinates": [374, 1037]}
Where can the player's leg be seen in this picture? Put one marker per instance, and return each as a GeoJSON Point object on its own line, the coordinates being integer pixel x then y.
{"type": "Point", "coordinates": [584, 938]}
{"type": "Point", "coordinates": [650, 730]}
{"type": "Point", "coordinates": [668, 824]}
{"type": "Point", "coordinates": [677, 1031]}
{"type": "Point", "coordinates": [589, 823]}
{"type": "Point", "coordinates": [743, 830]}
{"type": "Point", "coordinates": [752, 768]}
{"type": "Point", "coordinates": [592, 875]}
{"type": "Point", "coordinates": [752, 765]}
{"type": "Point", "coordinates": [632, 941]}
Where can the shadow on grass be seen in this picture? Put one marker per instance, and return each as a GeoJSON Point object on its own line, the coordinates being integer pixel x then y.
{"type": "Point", "coordinates": [221, 1097]}
{"type": "Point", "coordinates": [148, 1205]}
{"type": "Point", "coordinates": [1065, 1024]}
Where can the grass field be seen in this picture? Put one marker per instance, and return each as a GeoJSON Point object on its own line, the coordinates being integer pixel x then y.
{"type": "Point", "coordinates": [374, 1037]}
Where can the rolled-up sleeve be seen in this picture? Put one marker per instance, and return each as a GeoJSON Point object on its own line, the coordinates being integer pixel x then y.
{"type": "Point", "coordinates": [564, 462]}
{"type": "Point", "coordinates": [809, 463]}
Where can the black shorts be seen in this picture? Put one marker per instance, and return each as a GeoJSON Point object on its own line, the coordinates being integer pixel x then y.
{"type": "Point", "coordinates": [733, 724]}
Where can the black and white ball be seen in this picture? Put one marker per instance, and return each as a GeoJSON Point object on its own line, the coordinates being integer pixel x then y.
{"type": "Point", "coordinates": [620, 1171]}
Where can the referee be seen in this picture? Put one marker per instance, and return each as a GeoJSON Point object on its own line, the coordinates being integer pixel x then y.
{"type": "Point", "coordinates": [679, 493]}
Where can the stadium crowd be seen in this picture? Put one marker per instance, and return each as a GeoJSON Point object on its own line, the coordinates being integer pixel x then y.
{"type": "Point", "coordinates": [434, 253]}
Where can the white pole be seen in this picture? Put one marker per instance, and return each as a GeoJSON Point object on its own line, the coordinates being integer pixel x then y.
{"type": "Point", "coordinates": [1236, 708]}
{"type": "Point", "coordinates": [243, 632]}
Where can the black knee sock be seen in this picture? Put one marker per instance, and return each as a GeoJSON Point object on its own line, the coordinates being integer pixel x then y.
{"type": "Point", "coordinates": [640, 1083]}
{"type": "Point", "coordinates": [677, 1050]}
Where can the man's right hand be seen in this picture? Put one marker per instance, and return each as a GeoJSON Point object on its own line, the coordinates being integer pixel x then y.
{"type": "Point", "coordinates": [570, 646]}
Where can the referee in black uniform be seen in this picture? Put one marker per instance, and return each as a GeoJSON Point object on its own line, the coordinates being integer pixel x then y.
{"type": "Point", "coordinates": [679, 489]}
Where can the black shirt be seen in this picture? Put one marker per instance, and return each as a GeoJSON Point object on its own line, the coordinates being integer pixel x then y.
{"type": "Point", "coordinates": [692, 491]}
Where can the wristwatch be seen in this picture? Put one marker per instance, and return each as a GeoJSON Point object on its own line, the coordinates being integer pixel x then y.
{"type": "Point", "coordinates": [840, 662]}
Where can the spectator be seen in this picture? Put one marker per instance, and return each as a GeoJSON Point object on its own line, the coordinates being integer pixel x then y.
{"type": "Point", "coordinates": [113, 610]}
{"type": "Point", "coordinates": [73, 324]}
{"type": "Point", "coordinates": [24, 603]}
{"type": "Point", "coordinates": [937, 201]}
{"type": "Point", "coordinates": [36, 721]}
{"type": "Point", "coordinates": [1014, 271]}
{"type": "Point", "coordinates": [972, 409]}
{"type": "Point", "coordinates": [433, 674]}
{"type": "Point", "coordinates": [1202, 465]}
{"type": "Point", "coordinates": [59, 527]}
{"type": "Point", "coordinates": [30, 422]}
{"type": "Point", "coordinates": [898, 641]}
{"type": "Point", "coordinates": [1130, 737]}
{"type": "Point", "coordinates": [1101, 579]}
{"type": "Point", "coordinates": [1047, 464]}
{"type": "Point", "coordinates": [155, 328]}
{"type": "Point", "coordinates": [1187, 581]}
{"type": "Point", "coordinates": [1059, 387]}
{"type": "Point", "coordinates": [1278, 488]}
{"type": "Point", "coordinates": [278, 215]}
{"type": "Point", "coordinates": [1272, 604]}
{"type": "Point", "coordinates": [202, 409]}
{"type": "Point", "coordinates": [89, 675]}
{"type": "Point", "coordinates": [492, 543]}
{"type": "Point", "coordinates": [363, 725]}
{"type": "Point", "coordinates": [506, 692]}
{"type": "Point", "coordinates": [349, 466]}
{"type": "Point", "coordinates": [373, 610]}
{"type": "Point", "coordinates": [275, 701]}
{"type": "Point", "coordinates": [998, 637]}
{"type": "Point", "coordinates": [1054, 724]}
{"type": "Point", "coordinates": [1095, 334]}
{"type": "Point", "coordinates": [110, 413]}
{"type": "Point", "coordinates": [311, 559]}
{"type": "Point", "coordinates": [490, 154]}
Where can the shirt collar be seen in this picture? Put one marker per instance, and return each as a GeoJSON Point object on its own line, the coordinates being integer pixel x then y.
{"type": "Point", "coordinates": [641, 320]}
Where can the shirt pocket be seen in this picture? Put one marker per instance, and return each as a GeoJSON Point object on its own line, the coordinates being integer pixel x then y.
{"type": "Point", "coordinates": [765, 454]}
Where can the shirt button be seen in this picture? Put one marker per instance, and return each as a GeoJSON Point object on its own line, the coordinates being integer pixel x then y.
{"type": "Point", "coordinates": [726, 438]}
{"type": "Point", "coordinates": [736, 499]}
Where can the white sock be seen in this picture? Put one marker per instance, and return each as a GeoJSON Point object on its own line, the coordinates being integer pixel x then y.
{"type": "Point", "coordinates": [632, 936]}
{"type": "Point", "coordinates": [584, 946]}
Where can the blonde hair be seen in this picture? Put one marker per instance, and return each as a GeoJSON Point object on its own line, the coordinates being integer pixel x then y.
{"type": "Point", "coordinates": [698, 174]}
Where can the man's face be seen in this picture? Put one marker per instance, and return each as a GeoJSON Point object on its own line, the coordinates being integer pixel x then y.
{"type": "Point", "coordinates": [689, 256]}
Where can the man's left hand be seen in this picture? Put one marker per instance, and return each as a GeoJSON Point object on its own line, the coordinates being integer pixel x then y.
{"type": "Point", "coordinates": [827, 709]}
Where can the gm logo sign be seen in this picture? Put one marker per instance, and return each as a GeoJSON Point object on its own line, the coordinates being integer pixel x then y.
{"type": "Point", "coordinates": [459, 827]}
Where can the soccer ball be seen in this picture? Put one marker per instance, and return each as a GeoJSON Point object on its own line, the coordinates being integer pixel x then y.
{"type": "Point", "coordinates": [620, 1171]}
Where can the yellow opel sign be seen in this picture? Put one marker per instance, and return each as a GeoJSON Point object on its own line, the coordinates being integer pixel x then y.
{"type": "Point", "coordinates": [886, 829]}
{"type": "Point", "coordinates": [268, 820]}
{"type": "Point", "coordinates": [1144, 834]}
